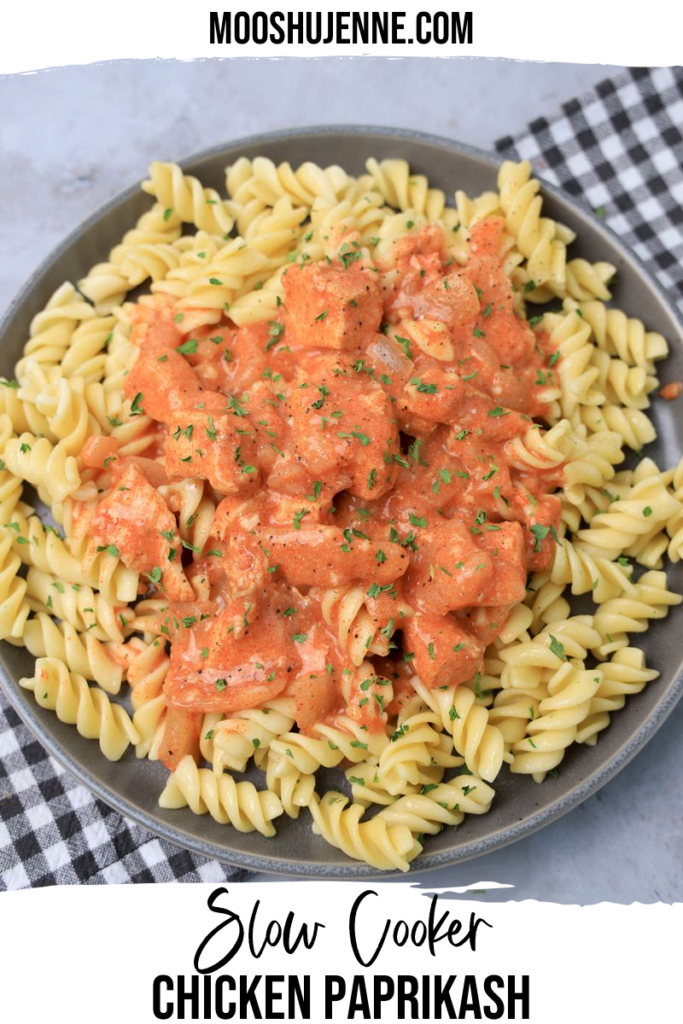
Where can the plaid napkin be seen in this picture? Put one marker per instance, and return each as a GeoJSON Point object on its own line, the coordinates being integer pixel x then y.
{"type": "Point", "coordinates": [616, 147]}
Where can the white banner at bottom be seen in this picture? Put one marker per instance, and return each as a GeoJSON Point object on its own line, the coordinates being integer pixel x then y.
{"type": "Point", "coordinates": [331, 951]}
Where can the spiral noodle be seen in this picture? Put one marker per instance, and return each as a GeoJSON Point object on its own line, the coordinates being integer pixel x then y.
{"type": "Point", "coordinates": [591, 465]}
{"type": "Point", "coordinates": [45, 549]}
{"type": "Point", "coordinates": [360, 633]}
{"type": "Point", "coordinates": [586, 281]}
{"type": "Point", "coordinates": [228, 802]}
{"type": "Point", "coordinates": [538, 449]}
{"type": "Point", "coordinates": [237, 739]}
{"type": "Point", "coordinates": [11, 489]}
{"type": "Point", "coordinates": [261, 180]}
{"type": "Point", "coordinates": [188, 199]}
{"type": "Point", "coordinates": [18, 414]}
{"type": "Point", "coordinates": [333, 221]}
{"type": "Point", "coordinates": [295, 789]}
{"type": "Point", "coordinates": [570, 337]}
{"type": "Point", "coordinates": [107, 283]}
{"type": "Point", "coordinates": [570, 692]}
{"type": "Point", "coordinates": [14, 609]}
{"type": "Point", "coordinates": [513, 709]}
{"type": "Point", "coordinates": [545, 600]}
{"type": "Point", "coordinates": [81, 653]}
{"type": "Point", "coordinates": [47, 466]}
{"type": "Point", "coordinates": [146, 670]}
{"type": "Point", "coordinates": [75, 603]}
{"type": "Point", "coordinates": [88, 708]}
{"type": "Point", "coordinates": [380, 845]}
{"type": "Point", "coordinates": [209, 294]}
{"type": "Point", "coordinates": [535, 235]}
{"type": "Point", "coordinates": [405, 191]}
{"type": "Point", "coordinates": [259, 305]}
{"type": "Point", "coordinates": [527, 661]}
{"type": "Point", "coordinates": [647, 508]}
{"type": "Point", "coordinates": [480, 743]}
{"type": "Point", "coordinates": [623, 384]}
{"type": "Point", "coordinates": [472, 211]}
{"type": "Point", "coordinates": [417, 755]}
{"type": "Point", "coordinates": [445, 804]}
{"type": "Point", "coordinates": [624, 336]}
{"type": "Point", "coordinates": [586, 574]}
{"type": "Point", "coordinates": [327, 748]}
{"type": "Point", "coordinates": [624, 675]}
{"type": "Point", "coordinates": [52, 329]}
{"type": "Point", "coordinates": [86, 357]}
{"type": "Point", "coordinates": [651, 599]}
{"type": "Point", "coordinates": [154, 227]}
{"type": "Point", "coordinates": [67, 414]}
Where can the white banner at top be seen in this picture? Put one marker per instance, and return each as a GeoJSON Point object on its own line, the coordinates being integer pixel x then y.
{"type": "Point", "coordinates": [45, 35]}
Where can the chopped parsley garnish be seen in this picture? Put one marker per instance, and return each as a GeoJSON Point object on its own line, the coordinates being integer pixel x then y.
{"type": "Point", "coordinates": [405, 345]}
{"type": "Point", "coordinates": [363, 438]}
{"type": "Point", "coordinates": [539, 532]}
{"type": "Point", "coordinates": [557, 648]}
{"type": "Point", "coordinates": [275, 333]}
{"type": "Point", "coordinates": [235, 406]}
{"type": "Point", "coordinates": [188, 348]}
{"type": "Point", "coordinates": [111, 549]}
{"type": "Point", "coordinates": [136, 406]}
{"type": "Point", "coordinates": [424, 389]}
{"type": "Point", "coordinates": [324, 392]}
{"type": "Point", "coordinates": [298, 516]}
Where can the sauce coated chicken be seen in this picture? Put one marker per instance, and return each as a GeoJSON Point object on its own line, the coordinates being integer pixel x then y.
{"type": "Point", "coordinates": [361, 439]}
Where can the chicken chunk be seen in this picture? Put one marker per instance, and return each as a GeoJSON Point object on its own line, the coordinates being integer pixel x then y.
{"type": "Point", "coordinates": [135, 522]}
{"type": "Point", "coordinates": [444, 653]}
{"type": "Point", "coordinates": [332, 306]}
{"type": "Point", "coordinates": [219, 448]}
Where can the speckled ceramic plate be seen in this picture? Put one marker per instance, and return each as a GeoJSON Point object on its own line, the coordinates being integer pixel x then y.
{"type": "Point", "coordinates": [521, 806]}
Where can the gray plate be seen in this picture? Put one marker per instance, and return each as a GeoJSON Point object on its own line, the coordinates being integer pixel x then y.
{"type": "Point", "coordinates": [520, 807]}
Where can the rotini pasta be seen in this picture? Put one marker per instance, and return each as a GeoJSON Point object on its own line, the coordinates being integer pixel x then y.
{"type": "Point", "coordinates": [87, 707]}
{"type": "Point", "coordinates": [227, 801]}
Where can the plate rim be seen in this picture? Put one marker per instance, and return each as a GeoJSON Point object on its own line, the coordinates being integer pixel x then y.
{"type": "Point", "coordinates": [350, 870]}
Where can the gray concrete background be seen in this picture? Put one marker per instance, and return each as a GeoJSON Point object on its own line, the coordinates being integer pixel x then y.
{"type": "Point", "coordinates": [72, 138]}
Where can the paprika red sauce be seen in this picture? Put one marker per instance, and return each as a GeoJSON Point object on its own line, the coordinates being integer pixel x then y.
{"type": "Point", "coordinates": [363, 438]}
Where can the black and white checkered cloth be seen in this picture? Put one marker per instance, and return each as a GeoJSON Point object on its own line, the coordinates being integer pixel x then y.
{"type": "Point", "coordinates": [53, 831]}
{"type": "Point", "coordinates": [620, 146]}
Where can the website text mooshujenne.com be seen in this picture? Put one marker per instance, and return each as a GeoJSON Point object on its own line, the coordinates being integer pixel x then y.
{"type": "Point", "coordinates": [340, 27]}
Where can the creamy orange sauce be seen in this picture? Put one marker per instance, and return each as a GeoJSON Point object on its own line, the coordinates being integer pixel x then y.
{"type": "Point", "coordinates": [345, 456]}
